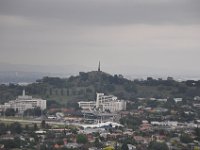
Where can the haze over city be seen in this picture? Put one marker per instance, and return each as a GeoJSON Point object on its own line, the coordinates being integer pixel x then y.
{"type": "Point", "coordinates": [99, 74]}
{"type": "Point", "coordinates": [129, 37]}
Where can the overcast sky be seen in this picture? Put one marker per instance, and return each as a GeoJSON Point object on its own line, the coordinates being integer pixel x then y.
{"type": "Point", "coordinates": [127, 36]}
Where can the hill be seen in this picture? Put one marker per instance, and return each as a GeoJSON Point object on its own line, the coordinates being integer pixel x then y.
{"type": "Point", "coordinates": [85, 85]}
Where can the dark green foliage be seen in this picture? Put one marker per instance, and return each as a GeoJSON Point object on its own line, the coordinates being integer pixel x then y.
{"type": "Point", "coordinates": [126, 141]}
{"type": "Point", "coordinates": [15, 127]}
{"type": "Point", "coordinates": [50, 91]}
{"type": "Point", "coordinates": [54, 81]}
{"type": "Point", "coordinates": [81, 138]}
{"type": "Point", "coordinates": [33, 112]}
{"type": "Point", "coordinates": [124, 146]}
{"type": "Point", "coordinates": [50, 135]}
{"type": "Point", "coordinates": [130, 87]}
{"type": "Point", "coordinates": [43, 124]}
{"type": "Point", "coordinates": [84, 87]}
{"type": "Point", "coordinates": [53, 104]}
{"type": "Point", "coordinates": [97, 143]}
{"type": "Point", "coordinates": [131, 121]}
{"type": "Point", "coordinates": [185, 138]}
{"type": "Point", "coordinates": [34, 135]}
{"type": "Point", "coordinates": [88, 90]}
{"type": "Point", "coordinates": [197, 133]}
{"type": "Point", "coordinates": [83, 76]}
{"type": "Point", "coordinates": [27, 128]}
{"type": "Point", "coordinates": [192, 83]}
{"type": "Point", "coordinates": [10, 112]}
{"type": "Point", "coordinates": [9, 92]}
{"type": "Point", "coordinates": [108, 88]}
{"type": "Point", "coordinates": [35, 127]}
{"type": "Point", "coordinates": [8, 144]}
{"type": "Point", "coordinates": [62, 92]}
{"type": "Point", "coordinates": [73, 105]}
{"type": "Point", "coordinates": [60, 142]}
{"type": "Point", "coordinates": [152, 104]}
{"type": "Point", "coordinates": [157, 146]}
{"type": "Point", "coordinates": [3, 128]}
{"type": "Point", "coordinates": [153, 82]}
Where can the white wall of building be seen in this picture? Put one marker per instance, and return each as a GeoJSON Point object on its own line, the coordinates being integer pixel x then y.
{"type": "Point", "coordinates": [104, 102]}
{"type": "Point", "coordinates": [25, 102]}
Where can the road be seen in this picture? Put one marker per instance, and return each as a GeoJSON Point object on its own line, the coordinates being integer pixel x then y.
{"type": "Point", "coordinates": [31, 121]}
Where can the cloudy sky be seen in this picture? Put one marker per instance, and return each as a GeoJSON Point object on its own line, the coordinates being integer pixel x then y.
{"type": "Point", "coordinates": [128, 36]}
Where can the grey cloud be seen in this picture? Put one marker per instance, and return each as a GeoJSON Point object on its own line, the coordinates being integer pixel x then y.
{"type": "Point", "coordinates": [106, 12]}
{"type": "Point", "coordinates": [144, 34]}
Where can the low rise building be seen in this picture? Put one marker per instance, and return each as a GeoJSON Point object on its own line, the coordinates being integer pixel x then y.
{"type": "Point", "coordinates": [24, 102]}
{"type": "Point", "coordinates": [104, 102]}
{"type": "Point", "coordinates": [178, 100]}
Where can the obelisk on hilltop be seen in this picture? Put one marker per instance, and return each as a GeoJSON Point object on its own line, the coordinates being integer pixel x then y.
{"type": "Point", "coordinates": [99, 68]}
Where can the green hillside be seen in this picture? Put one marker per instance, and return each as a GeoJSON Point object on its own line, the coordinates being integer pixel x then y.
{"type": "Point", "coordinates": [85, 85]}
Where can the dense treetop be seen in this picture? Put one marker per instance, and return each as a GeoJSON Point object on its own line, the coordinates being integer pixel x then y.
{"type": "Point", "coordinates": [85, 85]}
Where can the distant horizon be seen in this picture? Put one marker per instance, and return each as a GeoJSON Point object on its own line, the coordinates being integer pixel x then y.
{"type": "Point", "coordinates": [69, 70]}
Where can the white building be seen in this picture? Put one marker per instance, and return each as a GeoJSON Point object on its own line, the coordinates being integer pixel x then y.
{"type": "Point", "coordinates": [178, 100]}
{"type": "Point", "coordinates": [25, 102]}
{"type": "Point", "coordinates": [101, 124]}
{"type": "Point", "coordinates": [197, 98]}
{"type": "Point", "coordinates": [165, 123]}
{"type": "Point", "coordinates": [104, 102]}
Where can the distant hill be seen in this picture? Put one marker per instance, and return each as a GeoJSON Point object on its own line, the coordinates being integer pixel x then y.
{"type": "Point", "coordinates": [17, 73]}
{"type": "Point", "coordinates": [7, 77]}
{"type": "Point", "coordinates": [85, 85]}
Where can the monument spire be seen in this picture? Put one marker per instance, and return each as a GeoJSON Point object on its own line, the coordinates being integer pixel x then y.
{"type": "Point", "coordinates": [99, 68]}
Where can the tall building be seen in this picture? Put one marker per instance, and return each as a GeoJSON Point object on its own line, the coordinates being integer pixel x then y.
{"type": "Point", "coordinates": [103, 103]}
{"type": "Point", "coordinates": [24, 102]}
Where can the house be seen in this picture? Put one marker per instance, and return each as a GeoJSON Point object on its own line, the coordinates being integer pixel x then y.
{"type": "Point", "coordinates": [145, 127]}
{"type": "Point", "coordinates": [131, 147]}
{"type": "Point", "coordinates": [7, 137]}
{"type": "Point", "coordinates": [178, 100]}
{"type": "Point", "coordinates": [140, 139]}
{"type": "Point", "coordinates": [90, 138]}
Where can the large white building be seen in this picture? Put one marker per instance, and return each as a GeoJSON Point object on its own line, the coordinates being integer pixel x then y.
{"type": "Point", "coordinates": [24, 102]}
{"type": "Point", "coordinates": [104, 102]}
